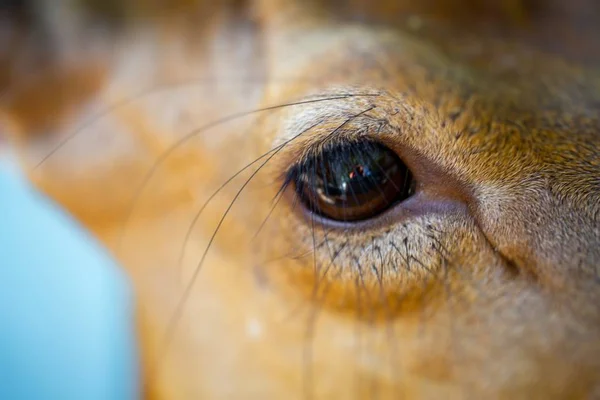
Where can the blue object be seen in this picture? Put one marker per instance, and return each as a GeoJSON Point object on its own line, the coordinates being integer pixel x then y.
{"type": "Point", "coordinates": [66, 310]}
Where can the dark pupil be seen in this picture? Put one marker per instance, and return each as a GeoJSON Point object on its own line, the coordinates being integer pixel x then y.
{"type": "Point", "coordinates": [353, 181]}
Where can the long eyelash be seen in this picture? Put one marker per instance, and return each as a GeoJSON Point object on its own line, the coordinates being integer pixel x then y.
{"type": "Point", "coordinates": [185, 295]}
{"type": "Point", "coordinates": [179, 307]}
{"type": "Point", "coordinates": [183, 140]}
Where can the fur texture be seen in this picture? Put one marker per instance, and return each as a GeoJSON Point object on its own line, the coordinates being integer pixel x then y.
{"type": "Point", "coordinates": [483, 285]}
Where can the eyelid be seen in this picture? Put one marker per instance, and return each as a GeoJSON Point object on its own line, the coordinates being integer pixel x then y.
{"type": "Point", "coordinates": [342, 128]}
{"type": "Point", "coordinates": [419, 204]}
{"type": "Point", "coordinates": [344, 103]}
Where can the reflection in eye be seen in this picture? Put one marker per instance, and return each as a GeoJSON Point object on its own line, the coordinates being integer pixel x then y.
{"type": "Point", "coordinates": [352, 181]}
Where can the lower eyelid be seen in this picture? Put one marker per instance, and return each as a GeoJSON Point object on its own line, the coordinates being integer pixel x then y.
{"type": "Point", "coordinates": [417, 214]}
{"type": "Point", "coordinates": [395, 260]}
{"type": "Point", "coordinates": [420, 204]}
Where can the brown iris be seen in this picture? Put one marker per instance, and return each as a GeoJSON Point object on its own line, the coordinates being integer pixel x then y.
{"type": "Point", "coordinates": [352, 181]}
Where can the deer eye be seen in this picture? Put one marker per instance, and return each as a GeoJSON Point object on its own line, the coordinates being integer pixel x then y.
{"type": "Point", "coordinates": [352, 181]}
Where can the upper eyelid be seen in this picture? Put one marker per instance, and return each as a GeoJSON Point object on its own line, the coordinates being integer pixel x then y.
{"type": "Point", "coordinates": [349, 102]}
{"type": "Point", "coordinates": [390, 118]}
{"type": "Point", "coordinates": [356, 125]}
{"type": "Point", "coordinates": [394, 115]}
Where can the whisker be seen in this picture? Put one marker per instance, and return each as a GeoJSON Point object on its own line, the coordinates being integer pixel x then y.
{"type": "Point", "coordinates": [276, 200]}
{"type": "Point", "coordinates": [198, 214]}
{"type": "Point", "coordinates": [102, 113]}
{"type": "Point", "coordinates": [271, 153]}
{"type": "Point", "coordinates": [187, 291]}
{"type": "Point", "coordinates": [140, 95]}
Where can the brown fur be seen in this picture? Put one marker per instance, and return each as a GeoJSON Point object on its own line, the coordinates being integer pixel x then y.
{"type": "Point", "coordinates": [485, 286]}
